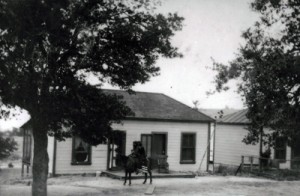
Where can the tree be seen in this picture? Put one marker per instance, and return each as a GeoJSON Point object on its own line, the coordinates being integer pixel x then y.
{"type": "Point", "coordinates": [7, 146]}
{"type": "Point", "coordinates": [47, 50]}
{"type": "Point", "coordinates": [268, 68]}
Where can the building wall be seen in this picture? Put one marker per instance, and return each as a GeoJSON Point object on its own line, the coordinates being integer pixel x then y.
{"type": "Point", "coordinates": [287, 163]}
{"type": "Point", "coordinates": [50, 150]}
{"type": "Point", "coordinates": [134, 129]}
{"type": "Point", "coordinates": [64, 159]}
{"type": "Point", "coordinates": [229, 146]}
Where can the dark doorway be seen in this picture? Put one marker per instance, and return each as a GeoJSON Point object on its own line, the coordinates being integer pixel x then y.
{"type": "Point", "coordinates": [296, 154]}
{"type": "Point", "coordinates": [117, 148]}
{"type": "Point", "coordinates": [159, 146]}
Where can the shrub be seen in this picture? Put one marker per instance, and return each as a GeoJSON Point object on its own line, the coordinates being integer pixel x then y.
{"type": "Point", "coordinates": [14, 157]}
{"type": "Point", "coordinates": [10, 165]}
{"type": "Point", "coordinates": [226, 169]}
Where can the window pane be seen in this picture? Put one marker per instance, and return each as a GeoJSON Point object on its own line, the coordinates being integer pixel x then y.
{"type": "Point", "coordinates": [188, 147]}
{"type": "Point", "coordinates": [280, 154]}
{"type": "Point", "coordinates": [185, 140]}
{"type": "Point", "coordinates": [188, 154]}
{"type": "Point", "coordinates": [188, 140]}
{"type": "Point", "coordinates": [81, 145]}
{"type": "Point", "coordinates": [81, 151]}
{"type": "Point", "coordinates": [192, 140]}
{"type": "Point", "coordinates": [280, 148]}
{"type": "Point", "coordinates": [296, 148]}
{"type": "Point", "coordinates": [280, 143]}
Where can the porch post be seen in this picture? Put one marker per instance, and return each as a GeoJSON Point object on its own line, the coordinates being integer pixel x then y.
{"type": "Point", "coordinates": [242, 164]}
{"type": "Point", "coordinates": [108, 154]}
{"type": "Point", "coordinates": [208, 146]}
{"type": "Point", "coordinates": [22, 171]}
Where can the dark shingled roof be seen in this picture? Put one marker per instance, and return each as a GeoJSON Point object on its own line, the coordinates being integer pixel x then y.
{"type": "Point", "coordinates": [235, 118]}
{"type": "Point", "coordinates": [157, 106]}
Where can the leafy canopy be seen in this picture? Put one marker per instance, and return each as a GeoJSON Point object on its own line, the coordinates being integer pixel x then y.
{"type": "Point", "coordinates": [48, 48]}
{"type": "Point", "coordinates": [268, 68]}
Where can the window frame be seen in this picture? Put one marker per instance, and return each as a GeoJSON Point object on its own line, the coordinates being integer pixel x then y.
{"type": "Point", "coordinates": [281, 148]}
{"type": "Point", "coordinates": [193, 161]}
{"type": "Point", "coordinates": [73, 161]}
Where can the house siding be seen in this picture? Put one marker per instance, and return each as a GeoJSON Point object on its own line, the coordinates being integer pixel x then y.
{"type": "Point", "coordinates": [64, 159]}
{"type": "Point", "coordinates": [50, 150]}
{"type": "Point", "coordinates": [229, 146]}
{"type": "Point", "coordinates": [134, 129]}
{"type": "Point", "coordinates": [287, 163]}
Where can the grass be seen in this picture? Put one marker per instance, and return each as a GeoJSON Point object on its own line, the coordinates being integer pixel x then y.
{"type": "Point", "coordinates": [279, 174]}
{"type": "Point", "coordinates": [275, 174]}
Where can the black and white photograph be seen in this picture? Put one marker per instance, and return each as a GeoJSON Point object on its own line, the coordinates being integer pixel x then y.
{"type": "Point", "coordinates": [149, 97]}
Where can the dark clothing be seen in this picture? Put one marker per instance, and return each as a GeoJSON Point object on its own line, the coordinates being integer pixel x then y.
{"type": "Point", "coordinates": [139, 154]}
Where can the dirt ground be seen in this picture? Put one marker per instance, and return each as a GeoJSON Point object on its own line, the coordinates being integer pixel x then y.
{"type": "Point", "coordinates": [205, 185]}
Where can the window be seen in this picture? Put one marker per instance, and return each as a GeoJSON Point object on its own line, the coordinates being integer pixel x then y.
{"type": "Point", "coordinates": [81, 152]}
{"type": "Point", "coordinates": [146, 143]}
{"type": "Point", "coordinates": [188, 151]}
{"type": "Point", "coordinates": [280, 148]}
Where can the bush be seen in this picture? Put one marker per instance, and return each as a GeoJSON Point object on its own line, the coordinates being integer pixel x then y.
{"type": "Point", "coordinates": [226, 169]}
{"type": "Point", "coordinates": [7, 146]}
{"type": "Point", "coordinates": [10, 165]}
{"type": "Point", "coordinates": [14, 157]}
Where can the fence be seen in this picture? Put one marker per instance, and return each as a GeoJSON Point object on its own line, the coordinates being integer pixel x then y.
{"type": "Point", "coordinates": [259, 166]}
{"type": "Point", "coordinates": [262, 163]}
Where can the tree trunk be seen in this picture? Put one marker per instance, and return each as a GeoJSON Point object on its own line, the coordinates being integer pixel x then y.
{"type": "Point", "coordinates": [40, 161]}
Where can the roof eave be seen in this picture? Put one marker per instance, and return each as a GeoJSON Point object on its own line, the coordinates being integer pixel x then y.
{"type": "Point", "coordinates": [233, 123]}
{"type": "Point", "coordinates": [169, 120]}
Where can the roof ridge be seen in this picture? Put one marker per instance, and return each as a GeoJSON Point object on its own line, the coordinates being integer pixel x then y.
{"type": "Point", "coordinates": [189, 107]}
{"type": "Point", "coordinates": [120, 90]}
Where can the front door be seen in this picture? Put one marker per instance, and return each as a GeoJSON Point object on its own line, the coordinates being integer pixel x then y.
{"type": "Point", "coordinates": [159, 146]}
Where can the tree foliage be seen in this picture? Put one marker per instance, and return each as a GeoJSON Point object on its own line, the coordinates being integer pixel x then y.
{"type": "Point", "coordinates": [268, 68]}
{"type": "Point", "coordinates": [48, 48]}
{"type": "Point", "coordinates": [7, 146]}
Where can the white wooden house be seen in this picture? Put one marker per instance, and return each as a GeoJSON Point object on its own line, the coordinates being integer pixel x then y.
{"type": "Point", "coordinates": [229, 148]}
{"type": "Point", "coordinates": [163, 125]}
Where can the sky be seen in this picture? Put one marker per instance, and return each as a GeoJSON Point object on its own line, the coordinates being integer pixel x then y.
{"type": "Point", "coordinates": [211, 29]}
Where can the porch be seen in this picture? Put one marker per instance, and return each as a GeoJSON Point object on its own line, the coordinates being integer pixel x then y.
{"type": "Point", "coordinates": [120, 174]}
